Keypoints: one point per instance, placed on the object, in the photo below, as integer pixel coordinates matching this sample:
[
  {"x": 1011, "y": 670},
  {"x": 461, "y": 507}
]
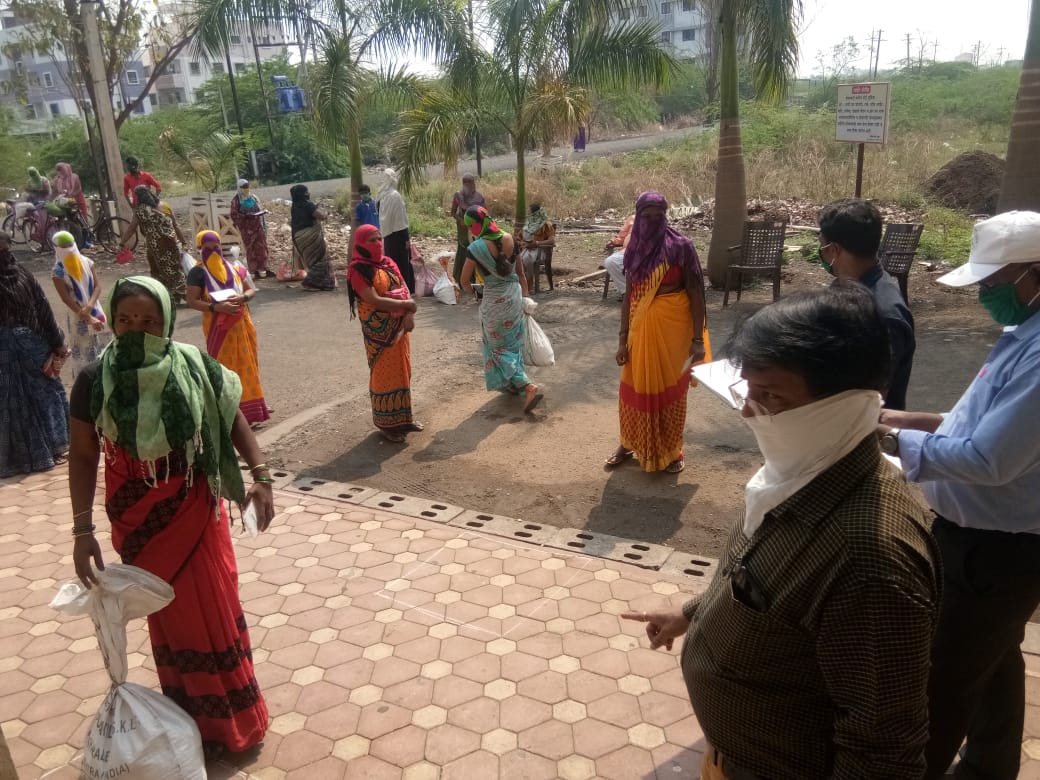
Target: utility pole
[
  {"x": 877, "y": 52},
  {"x": 935, "y": 52},
  {"x": 103, "y": 99},
  {"x": 1000, "y": 56},
  {"x": 908, "y": 61},
  {"x": 870, "y": 57}
]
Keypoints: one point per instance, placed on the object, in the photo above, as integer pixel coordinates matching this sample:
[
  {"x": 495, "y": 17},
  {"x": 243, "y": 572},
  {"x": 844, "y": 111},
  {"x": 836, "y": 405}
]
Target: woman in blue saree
[{"x": 495, "y": 254}]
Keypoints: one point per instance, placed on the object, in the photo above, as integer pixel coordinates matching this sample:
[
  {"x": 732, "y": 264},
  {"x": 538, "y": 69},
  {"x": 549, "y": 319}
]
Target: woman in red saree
[
  {"x": 663, "y": 332},
  {"x": 380, "y": 299},
  {"x": 166, "y": 417},
  {"x": 220, "y": 289}
]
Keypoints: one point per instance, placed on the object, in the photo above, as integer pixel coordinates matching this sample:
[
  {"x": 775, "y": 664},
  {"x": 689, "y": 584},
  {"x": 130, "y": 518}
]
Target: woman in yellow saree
[{"x": 663, "y": 332}]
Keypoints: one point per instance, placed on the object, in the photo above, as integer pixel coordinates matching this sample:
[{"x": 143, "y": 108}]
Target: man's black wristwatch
[{"x": 890, "y": 442}]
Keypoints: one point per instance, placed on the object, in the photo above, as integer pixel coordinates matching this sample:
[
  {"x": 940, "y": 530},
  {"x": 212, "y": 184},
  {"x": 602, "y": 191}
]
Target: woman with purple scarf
[
  {"x": 663, "y": 332},
  {"x": 220, "y": 289}
]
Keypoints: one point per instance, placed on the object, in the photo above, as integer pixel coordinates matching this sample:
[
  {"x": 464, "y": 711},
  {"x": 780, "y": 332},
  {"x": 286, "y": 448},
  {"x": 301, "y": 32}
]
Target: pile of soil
[{"x": 969, "y": 182}]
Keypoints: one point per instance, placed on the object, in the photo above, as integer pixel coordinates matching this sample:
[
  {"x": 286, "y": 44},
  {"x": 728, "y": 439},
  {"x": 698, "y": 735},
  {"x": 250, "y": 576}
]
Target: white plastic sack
[
  {"x": 530, "y": 305},
  {"x": 187, "y": 262},
  {"x": 538, "y": 350},
  {"x": 425, "y": 279},
  {"x": 445, "y": 291},
  {"x": 138, "y": 734}
]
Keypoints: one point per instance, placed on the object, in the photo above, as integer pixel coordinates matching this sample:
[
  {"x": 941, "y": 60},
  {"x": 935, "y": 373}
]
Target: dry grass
[{"x": 788, "y": 154}]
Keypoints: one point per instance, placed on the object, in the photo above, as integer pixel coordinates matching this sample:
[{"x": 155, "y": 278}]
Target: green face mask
[
  {"x": 826, "y": 266},
  {"x": 366, "y": 196},
  {"x": 1001, "y": 301}
]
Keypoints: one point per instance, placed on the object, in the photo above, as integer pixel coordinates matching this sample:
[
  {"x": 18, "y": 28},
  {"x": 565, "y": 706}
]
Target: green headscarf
[
  {"x": 154, "y": 395},
  {"x": 478, "y": 215},
  {"x": 35, "y": 179}
]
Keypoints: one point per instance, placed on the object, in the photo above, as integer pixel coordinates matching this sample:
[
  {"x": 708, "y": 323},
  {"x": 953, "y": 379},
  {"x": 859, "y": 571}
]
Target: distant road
[{"x": 501, "y": 162}]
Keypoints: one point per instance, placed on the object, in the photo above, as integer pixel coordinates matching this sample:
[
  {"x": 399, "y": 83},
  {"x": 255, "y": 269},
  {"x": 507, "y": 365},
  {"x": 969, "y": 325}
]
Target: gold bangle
[{"x": 258, "y": 467}]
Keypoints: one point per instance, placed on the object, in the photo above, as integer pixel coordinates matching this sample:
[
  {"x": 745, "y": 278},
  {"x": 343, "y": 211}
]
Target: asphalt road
[{"x": 501, "y": 162}]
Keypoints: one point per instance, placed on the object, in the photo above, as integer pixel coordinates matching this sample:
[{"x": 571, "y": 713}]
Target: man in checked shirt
[{"x": 807, "y": 657}]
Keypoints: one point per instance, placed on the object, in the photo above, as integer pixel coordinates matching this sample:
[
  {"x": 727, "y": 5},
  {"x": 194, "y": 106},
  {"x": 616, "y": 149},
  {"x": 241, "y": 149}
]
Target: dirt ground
[{"x": 479, "y": 451}]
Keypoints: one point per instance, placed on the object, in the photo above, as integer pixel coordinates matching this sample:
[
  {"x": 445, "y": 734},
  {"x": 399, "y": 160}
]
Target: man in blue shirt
[
  {"x": 850, "y": 236},
  {"x": 366, "y": 212},
  {"x": 979, "y": 466}
]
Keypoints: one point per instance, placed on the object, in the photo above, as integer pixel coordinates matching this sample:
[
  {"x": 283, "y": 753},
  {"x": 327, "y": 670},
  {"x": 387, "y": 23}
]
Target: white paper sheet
[{"x": 719, "y": 376}]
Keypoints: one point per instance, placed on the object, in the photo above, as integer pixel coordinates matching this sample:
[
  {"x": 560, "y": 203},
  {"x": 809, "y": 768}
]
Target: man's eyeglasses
[{"x": 738, "y": 391}]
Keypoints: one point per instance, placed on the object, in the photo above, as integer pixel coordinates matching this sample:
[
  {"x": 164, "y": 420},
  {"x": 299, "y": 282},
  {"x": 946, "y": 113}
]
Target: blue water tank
[{"x": 290, "y": 97}]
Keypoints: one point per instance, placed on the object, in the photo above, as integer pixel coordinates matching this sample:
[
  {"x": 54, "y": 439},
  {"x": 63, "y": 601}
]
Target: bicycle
[
  {"x": 106, "y": 230},
  {"x": 17, "y": 211}
]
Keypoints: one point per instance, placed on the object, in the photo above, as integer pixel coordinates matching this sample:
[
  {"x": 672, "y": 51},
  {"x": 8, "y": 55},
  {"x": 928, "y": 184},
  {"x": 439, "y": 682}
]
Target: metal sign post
[{"x": 863, "y": 111}]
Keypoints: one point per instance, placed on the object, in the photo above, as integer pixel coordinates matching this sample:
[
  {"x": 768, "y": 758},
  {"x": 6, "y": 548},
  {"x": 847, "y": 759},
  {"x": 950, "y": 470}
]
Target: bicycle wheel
[
  {"x": 12, "y": 229},
  {"x": 68, "y": 224},
  {"x": 110, "y": 229},
  {"x": 32, "y": 240}
]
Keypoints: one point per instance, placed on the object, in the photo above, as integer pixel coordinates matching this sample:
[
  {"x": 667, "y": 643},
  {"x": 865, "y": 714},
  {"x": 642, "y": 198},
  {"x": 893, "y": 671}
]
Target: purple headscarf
[{"x": 653, "y": 243}]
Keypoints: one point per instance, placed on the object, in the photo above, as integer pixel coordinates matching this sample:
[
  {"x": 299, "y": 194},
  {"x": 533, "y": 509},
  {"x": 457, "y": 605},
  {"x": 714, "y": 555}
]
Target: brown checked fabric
[{"x": 808, "y": 655}]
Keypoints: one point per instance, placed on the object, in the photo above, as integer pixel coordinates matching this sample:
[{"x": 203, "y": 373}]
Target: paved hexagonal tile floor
[{"x": 387, "y": 647}]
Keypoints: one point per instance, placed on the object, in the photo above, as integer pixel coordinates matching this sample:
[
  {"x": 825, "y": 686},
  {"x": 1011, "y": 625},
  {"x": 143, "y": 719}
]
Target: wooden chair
[
  {"x": 897, "y": 252},
  {"x": 761, "y": 254}
]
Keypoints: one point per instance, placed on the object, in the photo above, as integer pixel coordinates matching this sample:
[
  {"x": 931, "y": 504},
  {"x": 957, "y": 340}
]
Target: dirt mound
[{"x": 969, "y": 182}]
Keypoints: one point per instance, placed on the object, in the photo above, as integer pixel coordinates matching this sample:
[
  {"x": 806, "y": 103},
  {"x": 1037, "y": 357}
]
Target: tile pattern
[{"x": 387, "y": 647}]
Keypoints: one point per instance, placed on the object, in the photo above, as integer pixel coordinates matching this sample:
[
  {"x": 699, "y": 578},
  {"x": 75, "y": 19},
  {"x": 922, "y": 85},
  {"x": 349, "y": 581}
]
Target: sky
[{"x": 957, "y": 25}]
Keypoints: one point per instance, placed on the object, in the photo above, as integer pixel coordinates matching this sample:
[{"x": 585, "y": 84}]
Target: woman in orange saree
[
  {"x": 221, "y": 290},
  {"x": 379, "y": 296},
  {"x": 663, "y": 333}
]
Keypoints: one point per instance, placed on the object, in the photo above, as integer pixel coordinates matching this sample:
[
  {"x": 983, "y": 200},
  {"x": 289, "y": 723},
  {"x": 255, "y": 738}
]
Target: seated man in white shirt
[{"x": 615, "y": 262}]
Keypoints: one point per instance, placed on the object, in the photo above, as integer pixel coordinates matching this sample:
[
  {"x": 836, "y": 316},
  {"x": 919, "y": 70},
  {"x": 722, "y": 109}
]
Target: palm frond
[
  {"x": 435, "y": 29},
  {"x": 770, "y": 28},
  {"x": 216, "y": 20},
  {"x": 336, "y": 90},
  {"x": 622, "y": 56},
  {"x": 433, "y": 131},
  {"x": 209, "y": 165},
  {"x": 555, "y": 111}
]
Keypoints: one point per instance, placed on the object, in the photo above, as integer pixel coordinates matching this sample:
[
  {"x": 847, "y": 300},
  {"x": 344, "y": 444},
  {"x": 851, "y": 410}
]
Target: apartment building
[
  {"x": 38, "y": 88},
  {"x": 683, "y": 23},
  {"x": 184, "y": 74}
]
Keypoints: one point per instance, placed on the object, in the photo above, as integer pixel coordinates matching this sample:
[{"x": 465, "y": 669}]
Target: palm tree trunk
[
  {"x": 521, "y": 185},
  {"x": 730, "y": 190},
  {"x": 1021, "y": 188}
]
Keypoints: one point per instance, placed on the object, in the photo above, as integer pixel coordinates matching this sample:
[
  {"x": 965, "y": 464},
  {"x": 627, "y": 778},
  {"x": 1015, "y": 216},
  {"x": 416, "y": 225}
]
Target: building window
[
  {"x": 139, "y": 108},
  {"x": 666, "y": 8},
  {"x": 217, "y": 67},
  {"x": 132, "y": 78},
  {"x": 178, "y": 95},
  {"x": 236, "y": 39},
  {"x": 641, "y": 12},
  {"x": 267, "y": 40},
  {"x": 689, "y": 35},
  {"x": 666, "y": 36},
  {"x": 172, "y": 68},
  {"x": 625, "y": 14},
  {"x": 19, "y": 67},
  {"x": 194, "y": 68},
  {"x": 240, "y": 67},
  {"x": 687, "y": 5},
  {"x": 55, "y": 109},
  {"x": 48, "y": 79},
  {"x": 153, "y": 100}
]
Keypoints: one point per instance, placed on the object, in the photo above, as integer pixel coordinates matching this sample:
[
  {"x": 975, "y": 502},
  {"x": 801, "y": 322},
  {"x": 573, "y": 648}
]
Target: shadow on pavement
[
  {"x": 638, "y": 505},
  {"x": 500, "y": 409}
]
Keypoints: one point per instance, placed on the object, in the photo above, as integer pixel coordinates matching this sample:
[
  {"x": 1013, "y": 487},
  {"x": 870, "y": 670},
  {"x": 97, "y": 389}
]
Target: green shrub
[{"x": 946, "y": 237}]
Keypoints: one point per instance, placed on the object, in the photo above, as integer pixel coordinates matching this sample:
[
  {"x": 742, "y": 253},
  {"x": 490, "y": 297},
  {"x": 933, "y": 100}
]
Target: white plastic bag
[
  {"x": 530, "y": 305},
  {"x": 250, "y": 522},
  {"x": 187, "y": 262},
  {"x": 138, "y": 734},
  {"x": 538, "y": 350},
  {"x": 445, "y": 291}
]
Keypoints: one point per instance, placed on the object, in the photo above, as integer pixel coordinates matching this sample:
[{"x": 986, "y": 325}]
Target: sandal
[
  {"x": 61, "y": 459},
  {"x": 414, "y": 426},
  {"x": 533, "y": 399},
  {"x": 677, "y": 465},
  {"x": 619, "y": 456},
  {"x": 393, "y": 436}
]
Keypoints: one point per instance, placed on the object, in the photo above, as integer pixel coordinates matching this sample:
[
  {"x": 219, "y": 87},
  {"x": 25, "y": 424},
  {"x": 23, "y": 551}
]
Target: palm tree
[
  {"x": 533, "y": 81},
  {"x": 767, "y": 29},
  {"x": 1021, "y": 188},
  {"x": 212, "y": 164}
]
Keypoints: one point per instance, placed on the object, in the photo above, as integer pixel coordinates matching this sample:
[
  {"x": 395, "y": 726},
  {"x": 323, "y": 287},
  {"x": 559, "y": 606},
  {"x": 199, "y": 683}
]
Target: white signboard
[{"x": 863, "y": 111}]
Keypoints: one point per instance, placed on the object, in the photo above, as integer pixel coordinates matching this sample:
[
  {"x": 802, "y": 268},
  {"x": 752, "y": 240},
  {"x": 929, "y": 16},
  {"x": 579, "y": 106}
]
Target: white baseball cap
[{"x": 1006, "y": 239}]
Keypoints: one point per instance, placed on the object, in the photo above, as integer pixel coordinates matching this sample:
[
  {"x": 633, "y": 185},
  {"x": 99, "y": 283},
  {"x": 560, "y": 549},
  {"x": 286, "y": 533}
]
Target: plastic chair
[
  {"x": 761, "y": 254},
  {"x": 897, "y": 252}
]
